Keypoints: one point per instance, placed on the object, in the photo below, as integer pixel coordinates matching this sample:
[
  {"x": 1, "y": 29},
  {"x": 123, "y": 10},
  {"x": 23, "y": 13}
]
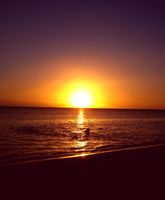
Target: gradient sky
[{"x": 48, "y": 47}]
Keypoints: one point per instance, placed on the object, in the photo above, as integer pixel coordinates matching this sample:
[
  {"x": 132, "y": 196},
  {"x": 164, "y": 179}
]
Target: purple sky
[{"x": 127, "y": 35}]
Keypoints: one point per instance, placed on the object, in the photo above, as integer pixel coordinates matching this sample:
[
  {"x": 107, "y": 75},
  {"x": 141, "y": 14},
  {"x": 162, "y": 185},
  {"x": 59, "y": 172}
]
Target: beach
[
  {"x": 82, "y": 100},
  {"x": 132, "y": 173}
]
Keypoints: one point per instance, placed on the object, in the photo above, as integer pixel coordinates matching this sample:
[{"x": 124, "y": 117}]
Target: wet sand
[{"x": 133, "y": 174}]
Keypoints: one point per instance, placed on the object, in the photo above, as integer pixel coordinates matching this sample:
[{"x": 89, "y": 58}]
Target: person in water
[{"x": 87, "y": 132}]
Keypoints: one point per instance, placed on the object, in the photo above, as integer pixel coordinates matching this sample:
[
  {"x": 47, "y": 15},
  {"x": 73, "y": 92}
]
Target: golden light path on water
[{"x": 82, "y": 141}]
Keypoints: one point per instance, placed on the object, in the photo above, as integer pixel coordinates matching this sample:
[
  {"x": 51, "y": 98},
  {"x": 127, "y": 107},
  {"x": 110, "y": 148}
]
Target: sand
[{"x": 129, "y": 174}]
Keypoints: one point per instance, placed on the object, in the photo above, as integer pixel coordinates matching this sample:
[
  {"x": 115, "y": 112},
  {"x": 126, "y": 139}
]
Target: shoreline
[
  {"x": 140, "y": 171},
  {"x": 85, "y": 155}
]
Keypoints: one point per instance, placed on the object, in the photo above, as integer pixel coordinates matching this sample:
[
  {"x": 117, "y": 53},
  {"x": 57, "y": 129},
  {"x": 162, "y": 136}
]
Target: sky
[{"x": 114, "y": 49}]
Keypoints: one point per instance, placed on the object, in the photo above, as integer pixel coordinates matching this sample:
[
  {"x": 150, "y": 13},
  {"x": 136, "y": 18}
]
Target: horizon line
[{"x": 60, "y": 107}]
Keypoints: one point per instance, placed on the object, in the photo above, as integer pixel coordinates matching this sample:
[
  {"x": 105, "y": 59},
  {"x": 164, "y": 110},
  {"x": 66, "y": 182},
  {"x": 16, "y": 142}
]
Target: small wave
[
  {"x": 34, "y": 130},
  {"x": 42, "y": 131},
  {"x": 27, "y": 130}
]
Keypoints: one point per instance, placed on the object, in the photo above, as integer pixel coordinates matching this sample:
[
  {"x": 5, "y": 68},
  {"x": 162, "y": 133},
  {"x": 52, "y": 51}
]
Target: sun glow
[
  {"x": 81, "y": 99},
  {"x": 80, "y": 94}
]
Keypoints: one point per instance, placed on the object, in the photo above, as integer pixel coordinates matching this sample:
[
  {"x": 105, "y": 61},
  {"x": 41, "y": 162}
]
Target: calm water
[{"x": 30, "y": 134}]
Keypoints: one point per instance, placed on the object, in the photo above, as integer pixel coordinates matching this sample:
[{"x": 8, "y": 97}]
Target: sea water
[{"x": 34, "y": 134}]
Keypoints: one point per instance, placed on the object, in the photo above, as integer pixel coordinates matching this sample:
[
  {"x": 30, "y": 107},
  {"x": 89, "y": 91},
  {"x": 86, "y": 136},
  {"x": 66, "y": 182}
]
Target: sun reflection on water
[
  {"x": 80, "y": 118},
  {"x": 81, "y": 142},
  {"x": 83, "y": 154}
]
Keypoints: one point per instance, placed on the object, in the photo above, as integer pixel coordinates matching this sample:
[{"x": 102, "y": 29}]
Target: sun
[
  {"x": 81, "y": 99},
  {"x": 80, "y": 94}
]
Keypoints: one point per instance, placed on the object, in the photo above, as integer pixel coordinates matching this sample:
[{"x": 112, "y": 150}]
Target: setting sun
[
  {"x": 81, "y": 99},
  {"x": 80, "y": 94}
]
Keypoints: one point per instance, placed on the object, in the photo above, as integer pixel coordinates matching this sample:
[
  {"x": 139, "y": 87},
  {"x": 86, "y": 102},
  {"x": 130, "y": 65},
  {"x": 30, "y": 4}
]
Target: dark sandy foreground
[{"x": 129, "y": 174}]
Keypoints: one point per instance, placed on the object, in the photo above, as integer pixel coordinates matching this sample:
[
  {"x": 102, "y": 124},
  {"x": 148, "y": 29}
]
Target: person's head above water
[{"x": 87, "y": 131}]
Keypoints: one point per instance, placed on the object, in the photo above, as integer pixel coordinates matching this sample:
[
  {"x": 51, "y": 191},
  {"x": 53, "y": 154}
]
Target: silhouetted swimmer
[{"x": 87, "y": 132}]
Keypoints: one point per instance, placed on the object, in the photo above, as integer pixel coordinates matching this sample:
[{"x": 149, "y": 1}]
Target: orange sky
[
  {"x": 113, "y": 50},
  {"x": 52, "y": 82}
]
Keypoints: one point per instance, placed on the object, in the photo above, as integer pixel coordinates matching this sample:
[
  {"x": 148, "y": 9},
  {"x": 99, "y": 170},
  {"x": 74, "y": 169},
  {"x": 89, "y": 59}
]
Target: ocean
[{"x": 36, "y": 134}]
